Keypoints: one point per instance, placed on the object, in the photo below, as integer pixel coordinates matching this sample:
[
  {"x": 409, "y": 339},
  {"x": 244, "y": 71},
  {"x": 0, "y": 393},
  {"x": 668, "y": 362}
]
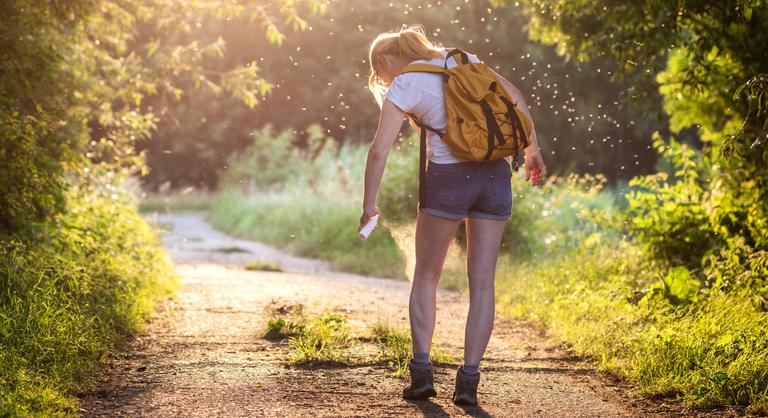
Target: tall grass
[
  {"x": 316, "y": 338},
  {"x": 323, "y": 228},
  {"x": 395, "y": 347},
  {"x": 312, "y": 210},
  {"x": 69, "y": 292},
  {"x": 188, "y": 199},
  {"x": 598, "y": 299}
]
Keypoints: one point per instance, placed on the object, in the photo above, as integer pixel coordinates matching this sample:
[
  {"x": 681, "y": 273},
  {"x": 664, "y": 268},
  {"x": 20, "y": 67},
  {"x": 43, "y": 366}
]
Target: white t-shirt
[{"x": 421, "y": 94}]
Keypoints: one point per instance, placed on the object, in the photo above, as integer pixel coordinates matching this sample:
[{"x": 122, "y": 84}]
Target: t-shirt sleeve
[
  {"x": 473, "y": 58},
  {"x": 402, "y": 95}
]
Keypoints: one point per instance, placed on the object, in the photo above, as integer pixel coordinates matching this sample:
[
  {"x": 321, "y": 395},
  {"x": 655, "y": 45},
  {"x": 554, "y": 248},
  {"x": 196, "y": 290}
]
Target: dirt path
[{"x": 204, "y": 355}]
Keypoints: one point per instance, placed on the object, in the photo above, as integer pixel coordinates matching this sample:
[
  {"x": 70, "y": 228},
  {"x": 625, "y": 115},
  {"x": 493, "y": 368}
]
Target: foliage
[
  {"x": 28, "y": 167},
  {"x": 37, "y": 130},
  {"x": 319, "y": 227},
  {"x": 707, "y": 209},
  {"x": 261, "y": 266},
  {"x": 187, "y": 199},
  {"x": 309, "y": 206},
  {"x": 319, "y": 78},
  {"x": 683, "y": 218},
  {"x": 80, "y": 268},
  {"x": 395, "y": 347},
  {"x": 285, "y": 321},
  {"x": 75, "y": 78},
  {"x": 399, "y": 192},
  {"x": 560, "y": 214},
  {"x": 272, "y": 159},
  {"x": 69, "y": 294},
  {"x": 322, "y": 338},
  {"x": 656, "y": 329},
  {"x": 639, "y": 37},
  {"x": 668, "y": 211}
]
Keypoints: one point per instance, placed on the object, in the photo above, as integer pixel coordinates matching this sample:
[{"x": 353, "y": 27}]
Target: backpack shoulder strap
[
  {"x": 422, "y": 165},
  {"x": 422, "y": 68},
  {"x": 423, "y": 125},
  {"x": 456, "y": 51}
]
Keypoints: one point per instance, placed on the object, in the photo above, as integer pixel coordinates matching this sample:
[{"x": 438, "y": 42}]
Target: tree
[
  {"x": 709, "y": 63},
  {"x": 76, "y": 75},
  {"x": 320, "y": 75}
]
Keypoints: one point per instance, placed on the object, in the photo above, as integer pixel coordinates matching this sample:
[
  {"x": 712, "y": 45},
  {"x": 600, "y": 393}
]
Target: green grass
[
  {"x": 70, "y": 291},
  {"x": 321, "y": 338},
  {"x": 327, "y": 337},
  {"x": 166, "y": 202},
  {"x": 284, "y": 321},
  {"x": 262, "y": 266},
  {"x": 230, "y": 250},
  {"x": 714, "y": 352},
  {"x": 395, "y": 347},
  {"x": 321, "y": 227}
]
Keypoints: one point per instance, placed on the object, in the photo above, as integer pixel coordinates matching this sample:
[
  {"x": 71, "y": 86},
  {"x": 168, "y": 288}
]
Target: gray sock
[
  {"x": 471, "y": 370},
  {"x": 421, "y": 358}
]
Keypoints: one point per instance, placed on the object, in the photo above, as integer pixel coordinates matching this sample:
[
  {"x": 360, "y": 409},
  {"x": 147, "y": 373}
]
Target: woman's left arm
[
  {"x": 534, "y": 164},
  {"x": 390, "y": 122}
]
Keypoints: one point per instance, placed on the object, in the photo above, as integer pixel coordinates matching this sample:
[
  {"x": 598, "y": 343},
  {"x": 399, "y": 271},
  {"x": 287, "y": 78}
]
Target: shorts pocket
[
  {"x": 447, "y": 191},
  {"x": 502, "y": 190}
]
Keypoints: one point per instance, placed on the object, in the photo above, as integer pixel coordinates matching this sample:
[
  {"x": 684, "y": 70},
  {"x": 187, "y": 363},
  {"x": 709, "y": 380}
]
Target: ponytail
[
  {"x": 412, "y": 43},
  {"x": 409, "y": 43}
]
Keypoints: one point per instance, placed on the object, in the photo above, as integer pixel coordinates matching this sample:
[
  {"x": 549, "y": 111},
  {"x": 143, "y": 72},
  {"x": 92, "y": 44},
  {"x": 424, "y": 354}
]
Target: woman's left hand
[{"x": 534, "y": 165}]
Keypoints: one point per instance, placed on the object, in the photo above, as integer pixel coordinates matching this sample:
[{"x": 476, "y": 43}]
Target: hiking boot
[
  {"x": 465, "y": 392},
  {"x": 422, "y": 382}
]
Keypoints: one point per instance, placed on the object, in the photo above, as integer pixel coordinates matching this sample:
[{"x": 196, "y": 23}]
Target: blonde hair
[{"x": 409, "y": 43}]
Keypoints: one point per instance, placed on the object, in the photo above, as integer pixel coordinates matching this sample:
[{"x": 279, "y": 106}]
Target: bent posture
[{"x": 455, "y": 189}]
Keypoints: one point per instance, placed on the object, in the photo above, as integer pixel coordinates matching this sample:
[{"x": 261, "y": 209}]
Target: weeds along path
[{"x": 205, "y": 354}]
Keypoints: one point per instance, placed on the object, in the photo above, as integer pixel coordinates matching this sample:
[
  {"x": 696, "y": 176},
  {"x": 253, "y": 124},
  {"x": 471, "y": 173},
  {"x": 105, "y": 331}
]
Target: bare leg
[
  {"x": 483, "y": 241},
  {"x": 433, "y": 237}
]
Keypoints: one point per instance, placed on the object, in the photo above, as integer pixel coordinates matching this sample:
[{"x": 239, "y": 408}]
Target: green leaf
[
  {"x": 274, "y": 35},
  {"x": 679, "y": 285}
]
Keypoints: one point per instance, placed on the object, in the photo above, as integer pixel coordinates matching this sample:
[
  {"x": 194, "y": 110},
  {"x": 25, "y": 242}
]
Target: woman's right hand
[{"x": 368, "y": 213}]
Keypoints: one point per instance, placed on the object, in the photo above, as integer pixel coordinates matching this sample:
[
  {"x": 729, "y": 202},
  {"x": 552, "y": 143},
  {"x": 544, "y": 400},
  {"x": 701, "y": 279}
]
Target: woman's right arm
[{"x": 390, "y": 122}]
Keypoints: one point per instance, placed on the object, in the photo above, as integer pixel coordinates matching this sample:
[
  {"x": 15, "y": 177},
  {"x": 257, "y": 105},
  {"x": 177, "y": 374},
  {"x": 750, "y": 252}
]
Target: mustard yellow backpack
[{"x": 483, "y": 122}]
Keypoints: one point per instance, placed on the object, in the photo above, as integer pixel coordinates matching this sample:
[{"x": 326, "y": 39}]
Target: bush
[
  {"x": 600, "y": 299},
  {"x": 69, "y": 292},
  {"x": 315, "y": 211},
  {"x": 322, "y": 228},
  {"x": 398, "y": 197},
  {"x": 559, "y": 215},
  {"x": 32, "y": 186},
  {"x": 683, "y": 217},
  {"x": 667, "y": 211}
]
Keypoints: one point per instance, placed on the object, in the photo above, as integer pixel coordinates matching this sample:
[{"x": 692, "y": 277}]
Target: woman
[{"x": 456, "y": 189}]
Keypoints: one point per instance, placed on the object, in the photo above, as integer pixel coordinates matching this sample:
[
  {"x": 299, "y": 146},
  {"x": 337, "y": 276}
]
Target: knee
[
  {"x": 481, "y": 283},
  {"x": 426, "y": 275}
]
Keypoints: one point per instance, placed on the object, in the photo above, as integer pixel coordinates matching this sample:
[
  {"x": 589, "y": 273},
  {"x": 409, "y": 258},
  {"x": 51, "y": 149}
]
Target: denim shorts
[{"x": 479, "y": 190}]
